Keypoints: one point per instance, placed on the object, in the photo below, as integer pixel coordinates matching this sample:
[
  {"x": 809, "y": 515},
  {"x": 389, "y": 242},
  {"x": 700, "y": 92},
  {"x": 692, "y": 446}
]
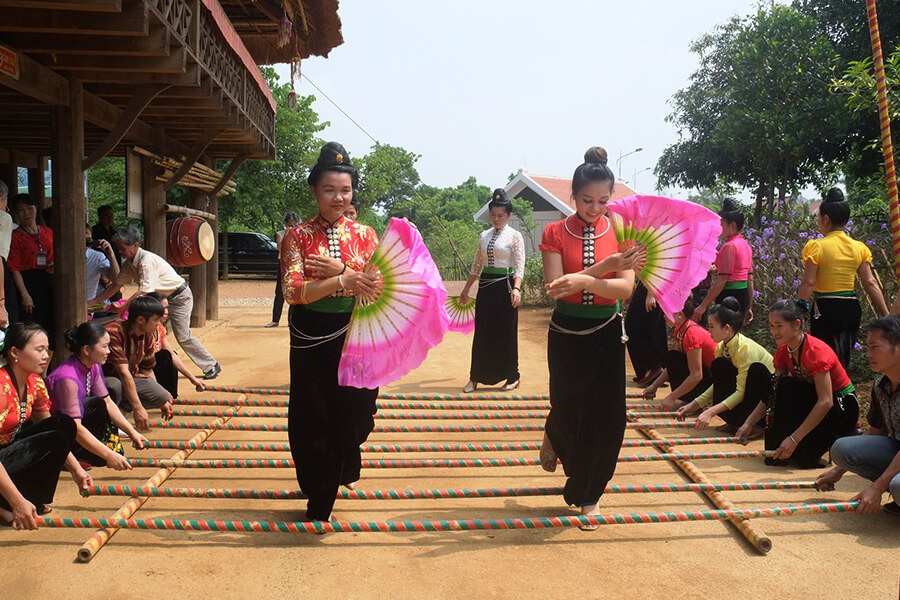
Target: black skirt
[
  {"x": 756, "y": 389},
  {"x": 96, "y": 420},
  {"x": 166, "y": 373},
  {"x": 741, "y": 295},
  {"x": 39, "y": 284},
  {"x": 646, "y": 331},
  {"x": 586, "y": 424},
  {"x": 34, "y": 459},
  {"x": 794, "y": 400},
  {"x": 326, "y": 422},
  {"x": 837, "y": 324},
  {"x": 677, "y": 368},
  {"x": 495, "y": 344}
]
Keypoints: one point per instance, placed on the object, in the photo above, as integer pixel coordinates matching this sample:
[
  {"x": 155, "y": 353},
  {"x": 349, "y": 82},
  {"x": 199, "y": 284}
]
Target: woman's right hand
[
  {"x": 742, "y": 433},
  {"x": 568, "y": 285},
  {"x": 631, "y": 258},
  {"x": 118, "y": 462},
  {"x": 464, "y": 297},
  {"x": 27, "y": 303},
  {"x": 697, "y": 315},
  {"x": 682, "y": 412},
  {"x": 25, "y": 515},
  {"x": 362, "y": 284},
  {"x": 668, "y": 403},
  {"x": 141, "y": 419}
]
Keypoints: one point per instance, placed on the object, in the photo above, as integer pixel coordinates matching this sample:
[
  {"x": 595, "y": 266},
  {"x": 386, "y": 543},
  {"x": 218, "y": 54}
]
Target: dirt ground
[{"x": 817, "y": 556}]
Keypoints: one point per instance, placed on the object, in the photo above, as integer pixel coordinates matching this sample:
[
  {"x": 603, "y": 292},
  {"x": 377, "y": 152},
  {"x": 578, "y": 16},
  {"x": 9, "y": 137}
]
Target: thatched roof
[{"x": 315, "y": 27}]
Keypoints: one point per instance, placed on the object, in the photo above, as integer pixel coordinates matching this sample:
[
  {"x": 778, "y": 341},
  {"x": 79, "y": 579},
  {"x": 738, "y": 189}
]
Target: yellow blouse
[{"x": 838, "y": 257}]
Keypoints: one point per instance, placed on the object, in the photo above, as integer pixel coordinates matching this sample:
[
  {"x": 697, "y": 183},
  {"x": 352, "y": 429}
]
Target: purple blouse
[{"x": 68, "y": 387}]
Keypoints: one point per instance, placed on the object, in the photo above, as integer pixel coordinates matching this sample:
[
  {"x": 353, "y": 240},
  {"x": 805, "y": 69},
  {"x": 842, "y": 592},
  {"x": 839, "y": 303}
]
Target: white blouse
[{"x": 500, "y": 248}]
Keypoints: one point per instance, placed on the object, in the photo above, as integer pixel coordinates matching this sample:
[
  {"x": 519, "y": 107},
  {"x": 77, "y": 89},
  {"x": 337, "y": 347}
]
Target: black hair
[
  {"x": 23, "y": 198},
  {"x": 105, "y": 207},
  {"x": 156, "y": 296},
  {"x": 688, "y": 308},
  {"x": 499, "y": 200},
  {"x": 333, "y": 157},
  {"x": 592, "y": 170},
  {"x": 19, "y": 334},
  {"x": 728, "y": 312},
  {"x": 889, "y": 327},
  {"x": 86, "y": 334},
  {"x": 144, "y": 306},
  {"x": 835, "y": 207},
  {"x": 791, "y": 310},
  {"x": 731, "y": 212},
  {"x": 354, "y": 201}
]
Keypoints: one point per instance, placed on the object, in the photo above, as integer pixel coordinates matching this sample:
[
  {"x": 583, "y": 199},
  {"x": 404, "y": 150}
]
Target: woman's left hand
[
  {"x": 785, "y": 449},
  {"x": 568, "y": 285},
  {"x": 324, "y": 266},
  {"x": 703, "y": 420},
  {"x": 139, "y": 441},
  {"x": 650, "y": 303},
  {"x": 82, "y": 479},
  {"x": 515, "y": 298}
]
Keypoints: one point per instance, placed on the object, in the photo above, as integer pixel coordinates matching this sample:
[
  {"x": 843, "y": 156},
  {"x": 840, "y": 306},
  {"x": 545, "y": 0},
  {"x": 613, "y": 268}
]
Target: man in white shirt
[
  {"x": 10, "y": 302},
  {"x": 154, "y": 274}
]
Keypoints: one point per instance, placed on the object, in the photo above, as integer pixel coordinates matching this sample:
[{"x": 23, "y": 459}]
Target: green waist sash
[
  {"x": 847, "y": 390},
  {"x": 736, "y": 285},
  {"x": 847, "y": 294},
  {"x": 497, "y": 271},
  {"x": 587, "y": 311},
  {"x": 332, "y": 305}
]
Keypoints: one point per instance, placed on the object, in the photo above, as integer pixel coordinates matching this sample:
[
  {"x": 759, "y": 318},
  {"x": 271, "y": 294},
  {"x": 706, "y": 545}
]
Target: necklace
[
  {"x": 585, "y": 237},
  {"x": 792, "y": 350}
]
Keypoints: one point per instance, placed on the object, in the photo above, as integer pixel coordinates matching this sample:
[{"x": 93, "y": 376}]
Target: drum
[{"x": 189, "y": 242}]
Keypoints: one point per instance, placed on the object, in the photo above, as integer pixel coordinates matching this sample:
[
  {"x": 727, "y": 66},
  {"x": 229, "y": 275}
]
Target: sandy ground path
[{"x": 817, "y": 556}]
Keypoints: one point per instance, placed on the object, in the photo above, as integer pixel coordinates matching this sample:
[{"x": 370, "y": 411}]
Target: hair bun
[
  {"x": 596, "y": 155},
  {"x": 729, "y": 205},
  {"x": 499, "y": 195},
  {"x": 332, "y": 155},
  {"x": 731, "y": 303},
  {"x": 834, "y": 195}
]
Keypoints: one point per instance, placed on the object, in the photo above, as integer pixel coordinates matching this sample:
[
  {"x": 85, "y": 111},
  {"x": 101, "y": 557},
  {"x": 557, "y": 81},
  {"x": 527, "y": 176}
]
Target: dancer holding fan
[
  {"x": 586, "y": 350},
  {"x": 322, "y": 267},
  {"x": 498, "y": 268}
]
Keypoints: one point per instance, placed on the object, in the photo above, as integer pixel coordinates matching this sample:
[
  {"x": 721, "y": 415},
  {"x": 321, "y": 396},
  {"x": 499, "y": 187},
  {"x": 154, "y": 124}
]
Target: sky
[{"x": 487, "y": 88}]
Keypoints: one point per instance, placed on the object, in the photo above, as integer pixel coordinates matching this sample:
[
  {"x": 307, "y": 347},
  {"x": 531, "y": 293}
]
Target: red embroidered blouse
[
  {"x": 24, "y": 248},
  {"x": 37, "y": 399},
  {"x": 579, "y": 254},
  {"x": 815, "y": 357},
  {"x": 348, "y": 241},
  {"x": 691, "y": 336}
]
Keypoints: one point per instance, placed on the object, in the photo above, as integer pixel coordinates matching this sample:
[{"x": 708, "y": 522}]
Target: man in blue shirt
[{"x": 99, "y": 264}]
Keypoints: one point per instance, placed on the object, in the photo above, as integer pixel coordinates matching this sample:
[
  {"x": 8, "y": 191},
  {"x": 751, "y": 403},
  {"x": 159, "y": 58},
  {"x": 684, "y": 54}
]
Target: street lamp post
[
  {"x": 621, "y": 156},
  {"x": 634, "y": 176}
]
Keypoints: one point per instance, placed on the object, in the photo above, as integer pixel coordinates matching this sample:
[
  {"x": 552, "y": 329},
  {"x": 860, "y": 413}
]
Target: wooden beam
[
  {"x": 235, "y": 164},
  {"x": 23, "y": 159},
  {"x": 197, "y": 275},
  {"x": 199, "y": 148},
  {"x": 111, "y": 6},
  {"x": 157, "y": 43},
  {"x": 175, "y": 62},
  {"x": 143, "y": 95},
  {"x": 133, "y": 20},
  {"x": 9, "y": 172},
  {"x": 70, "y": 289},
  {"x": 191, "y": 76}
]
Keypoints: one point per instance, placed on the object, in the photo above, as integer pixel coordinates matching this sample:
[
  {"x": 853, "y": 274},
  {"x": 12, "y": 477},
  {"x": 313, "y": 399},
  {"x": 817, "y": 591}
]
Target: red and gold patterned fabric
[
  {"x": 350, "y": 242},
  {"x": 138, "y": 352},
  {"x": 38, "y": 400},
  {"x": 581, "y": 245}
]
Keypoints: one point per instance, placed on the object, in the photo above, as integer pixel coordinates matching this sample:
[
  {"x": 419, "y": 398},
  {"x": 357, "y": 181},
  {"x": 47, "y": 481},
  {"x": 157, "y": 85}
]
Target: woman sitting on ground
[
  {"x": 78, "y": 389},
  {"x": 34, "y": 446},
  {"x": 168, "y": 363},
  {"x": 687, "y": 367},
  {"x": 736, "y": 388},
  {"x": 814, "y": 400}
]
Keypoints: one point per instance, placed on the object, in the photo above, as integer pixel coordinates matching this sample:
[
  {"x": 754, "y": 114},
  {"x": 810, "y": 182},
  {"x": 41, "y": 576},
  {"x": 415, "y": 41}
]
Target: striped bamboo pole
[
  {"x": 761, "y": 543},
  {"x": 884, "y": 116},
  {"x": 383, "y": 448},
  {"x": 442, "y": 494},
  {"x": 393, "y": 416},
  {"x": 90, "y": 548},
  {"x": 395, "y": 405},
  {"x": 398, "y": 428},
  {"x": 418, "y": 463},
  {"x": 454, "y": 524}
]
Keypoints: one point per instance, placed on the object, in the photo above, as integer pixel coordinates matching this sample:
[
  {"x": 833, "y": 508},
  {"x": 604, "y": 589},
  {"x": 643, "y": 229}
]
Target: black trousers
[
  {"x": 39, "y": 284},
  {"x": 837, "y": 325},
  {"x": 741, "y": 295},
  {"x": 12, "y": 296},
  {"x": 34, "y": 459},
  {"x": 495, "y": 343},
  {"x": 677, "y": 368},
  {"x": 794, "y": 400},
  {"x": 756, "y": 388},
  {"x": 586, "y": 424},
  {"x": 278, "y": 303},
  {"x": 647, "y": 345},
  {"x": 166, "y": 373},
  {"x": 96, "y": 421},
  {"x": 326, "y": 422}
]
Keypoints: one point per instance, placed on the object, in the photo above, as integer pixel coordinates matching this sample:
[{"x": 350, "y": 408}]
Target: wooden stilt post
[
  {"x": 212, "y": 267},
  {"x": 70, "y": 289},
  {"x": 154, "y": 197},
  {"x": 37, "y": 188},
  {"x": 198, "y": 274}
]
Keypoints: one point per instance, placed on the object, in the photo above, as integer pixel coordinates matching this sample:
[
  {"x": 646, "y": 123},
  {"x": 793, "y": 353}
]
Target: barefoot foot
[
  {"x": 591, "y": 509},
  {"x": 548, "y": 457}
]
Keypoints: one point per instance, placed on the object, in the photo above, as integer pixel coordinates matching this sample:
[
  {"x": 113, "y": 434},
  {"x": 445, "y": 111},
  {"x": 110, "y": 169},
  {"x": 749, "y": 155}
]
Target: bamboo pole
[
  {"x": 393, "y": 416},
  {"x": 455, "y": 524},
  {"x": 884, "y": 117},
  {"x": 437, "y": 494},
  {"x": 90, "y": 548},
  {"x": 399, "y": 428},
  {"x": 396, "y": 405},
  {"x": 191, "y": 212}
]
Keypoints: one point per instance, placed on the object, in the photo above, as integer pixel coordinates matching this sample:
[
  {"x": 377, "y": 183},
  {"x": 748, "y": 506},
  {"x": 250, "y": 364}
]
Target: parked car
[{"x": 248, "y": 252}]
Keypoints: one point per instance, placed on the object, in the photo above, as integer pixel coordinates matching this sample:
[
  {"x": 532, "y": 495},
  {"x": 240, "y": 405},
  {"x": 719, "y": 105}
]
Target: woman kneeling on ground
[
  {"x": 737, "y": 388},
  {"x": 814, "y": 401},
  {"x": 78, "y": 389},
  {"x": 687, "y": 368},
  {"x": 33, "y": 445}
]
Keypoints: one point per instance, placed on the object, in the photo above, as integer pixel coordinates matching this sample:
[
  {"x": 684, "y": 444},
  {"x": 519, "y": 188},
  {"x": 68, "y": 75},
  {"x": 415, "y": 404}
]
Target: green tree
[
  {"x": 754, "y": 111},
  {"x": 388, "y": 178}
]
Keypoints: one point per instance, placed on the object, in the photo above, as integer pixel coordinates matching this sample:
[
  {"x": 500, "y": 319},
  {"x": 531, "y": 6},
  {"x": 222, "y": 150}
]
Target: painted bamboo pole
[
  {"x": 394, "y": 405},
  {"x": 435, "y": 494},
  {"x": 398, "y": 428},
  {"x": 418, "y": 463},
  {"x": 884, "y": 116},
  {"x": 90, "y": 548},
  {"x": 454, "y": 524},
  {"x": 385, "y": 448},
  {"x": 394, "y": 416},
  {"x": 761, "y": 543}
]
